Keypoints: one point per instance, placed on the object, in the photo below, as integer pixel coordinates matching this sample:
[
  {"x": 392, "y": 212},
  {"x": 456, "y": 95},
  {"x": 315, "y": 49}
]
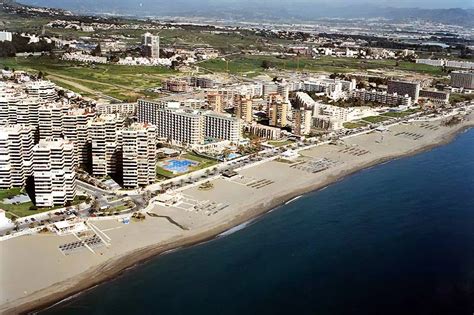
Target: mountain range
[{"x": 251, "y": 10}]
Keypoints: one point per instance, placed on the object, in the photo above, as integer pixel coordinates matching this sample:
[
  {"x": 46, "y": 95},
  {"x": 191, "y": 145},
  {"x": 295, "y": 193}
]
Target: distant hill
[{"x": 258, "y": 10}]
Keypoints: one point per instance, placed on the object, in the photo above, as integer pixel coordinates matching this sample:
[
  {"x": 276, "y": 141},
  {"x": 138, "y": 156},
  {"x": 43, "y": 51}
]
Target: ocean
[{"x": 397, "y": 238}]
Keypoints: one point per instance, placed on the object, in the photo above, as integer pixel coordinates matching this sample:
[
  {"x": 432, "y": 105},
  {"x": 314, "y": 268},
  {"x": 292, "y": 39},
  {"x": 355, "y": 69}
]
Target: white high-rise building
[
  {"x": 106, "y": 151},
  {"x": 42, "y": 89},
  {"x": 138, "y": 143},
  {"x": 76, "y": 129},
  {"x": 16, "y": 155},
  {"x": 302, "y": 120},
  {"x": 54, "y": 172},
  {"x": 50, "y": 120}
]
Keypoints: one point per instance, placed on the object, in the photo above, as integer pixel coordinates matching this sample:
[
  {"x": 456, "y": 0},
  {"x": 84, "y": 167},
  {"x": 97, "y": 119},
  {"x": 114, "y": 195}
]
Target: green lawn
[
  {"x": 23, "y": 209},
  {"x": 280, "y": 143},
  {"x": 122, "y": 82},
  {"x": 353, "y": 125},
  {"x": 247, "y": 63},
  {"x": 400, "y": 114},
  {"x": 375, "y": 119}
]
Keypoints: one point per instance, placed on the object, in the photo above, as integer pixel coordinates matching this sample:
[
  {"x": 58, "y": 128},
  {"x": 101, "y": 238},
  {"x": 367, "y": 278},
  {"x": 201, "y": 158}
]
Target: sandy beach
[{"x": 34, "y": 273}]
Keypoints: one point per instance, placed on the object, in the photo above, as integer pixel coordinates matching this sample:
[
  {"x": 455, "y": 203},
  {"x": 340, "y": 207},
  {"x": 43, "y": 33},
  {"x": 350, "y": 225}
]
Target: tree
[
  {"x": 266, "y": 64},
  {"x": 95, "y": 206},
  {"x": 97, "y": 51}
]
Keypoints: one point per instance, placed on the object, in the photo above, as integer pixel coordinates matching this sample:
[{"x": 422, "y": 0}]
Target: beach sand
[{"x": 35, "y": 274}]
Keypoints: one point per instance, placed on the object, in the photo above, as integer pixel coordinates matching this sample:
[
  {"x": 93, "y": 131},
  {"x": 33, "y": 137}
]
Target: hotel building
[
  {"x": 411, "y": 89},
  {"x": 222, "y": 127},
  {"x": 462, "y": 79}
]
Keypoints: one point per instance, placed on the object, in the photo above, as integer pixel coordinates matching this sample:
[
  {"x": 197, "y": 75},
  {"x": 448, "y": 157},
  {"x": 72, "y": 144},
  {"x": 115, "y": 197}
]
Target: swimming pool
[{"x": 177, "y": 166}]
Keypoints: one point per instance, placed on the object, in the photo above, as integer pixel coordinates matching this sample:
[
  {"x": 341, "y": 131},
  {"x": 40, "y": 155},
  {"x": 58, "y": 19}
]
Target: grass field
[
  {"x": 280, "y": 143},
  {"x": 400, "y": 114},
  {"x": 353, "y": 125},
  {"x": 375, "y": 119},
  {"x": 23, "y": 209},
  {"x": 252, "y": 64},
  {"x": 121, "y": 82}
]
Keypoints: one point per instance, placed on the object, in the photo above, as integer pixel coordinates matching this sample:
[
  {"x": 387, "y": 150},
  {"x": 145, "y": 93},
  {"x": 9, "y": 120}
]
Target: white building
[
  {"x": 139, "y": 155},
  {"x": 5, "y": 36},
  {"x": 222, "y": 127},
  {"x": 125, "y": 109},
  {"x": 105, "y": 142},
  {"x": 45, "y": 90},
  {"x": 54, "y": 172},
  {"x": 382, "y": 97},
  {"x": 16, "y": 155},
  {"x": 50, "y": 120},
  {"x": 76, "y": 129}
]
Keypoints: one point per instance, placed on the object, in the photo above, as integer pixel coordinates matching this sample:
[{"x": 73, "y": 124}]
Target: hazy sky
[{"x": 236, "y": 3}]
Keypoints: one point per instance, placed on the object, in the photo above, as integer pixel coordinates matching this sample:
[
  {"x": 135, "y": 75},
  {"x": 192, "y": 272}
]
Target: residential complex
[
  {"x": 105, "y": 144},
  {"x": 125, "y": 109},
  {"x": 138, "y": 145},
  {"x": 76, "y": 124},
  {"x": 54, "y": 172},
  {"x": 382, "y": 97},
  {"x": 16, "y": 155}
]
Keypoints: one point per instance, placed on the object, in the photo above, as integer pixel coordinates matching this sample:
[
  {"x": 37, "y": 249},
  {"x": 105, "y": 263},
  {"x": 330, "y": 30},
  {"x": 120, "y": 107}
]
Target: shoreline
[{"x": 117, "y": 266}]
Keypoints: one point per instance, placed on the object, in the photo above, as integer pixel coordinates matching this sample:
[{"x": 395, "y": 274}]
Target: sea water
[{"x": 397, "y": 238}]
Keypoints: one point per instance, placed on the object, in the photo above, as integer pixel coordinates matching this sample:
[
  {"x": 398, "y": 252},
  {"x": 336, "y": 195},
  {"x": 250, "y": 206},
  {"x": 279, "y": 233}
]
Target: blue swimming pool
[{"x": 177, "y": 166}]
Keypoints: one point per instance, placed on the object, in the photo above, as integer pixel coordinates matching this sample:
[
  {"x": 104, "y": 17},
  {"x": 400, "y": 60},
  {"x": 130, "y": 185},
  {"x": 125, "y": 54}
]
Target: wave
[
  {"x": 235, "y": 229},
  {"x": 291, "y": 200}
]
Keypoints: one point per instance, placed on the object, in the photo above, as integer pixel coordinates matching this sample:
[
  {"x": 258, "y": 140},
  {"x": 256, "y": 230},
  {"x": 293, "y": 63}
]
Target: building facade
[
  {"x": 54, "y": 172},
  {"x": 16, "y": 155}
]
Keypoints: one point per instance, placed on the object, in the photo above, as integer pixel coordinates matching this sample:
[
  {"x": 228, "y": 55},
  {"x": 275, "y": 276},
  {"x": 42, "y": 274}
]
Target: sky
[{"x": 428, "y": 4}]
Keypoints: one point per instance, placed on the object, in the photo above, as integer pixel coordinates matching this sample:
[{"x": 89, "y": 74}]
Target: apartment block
[
  {"x": 438, "y": 97},
  {"x": 302, "y": 121},
  {"x": 125, "y": 109},
  {"x": 76, "y": 129},
  {"x": 105, "y": 143},
  {"x": 54, "y": 172},
  {"x": 215, "y": 102},
  {"x": 243, "y": 108},
  {"x": 50, "y": 120},
  {"x": 16, "y": 155},
  {"x": 382, "y": 97},
  {"x": 138, "y": 143}
]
